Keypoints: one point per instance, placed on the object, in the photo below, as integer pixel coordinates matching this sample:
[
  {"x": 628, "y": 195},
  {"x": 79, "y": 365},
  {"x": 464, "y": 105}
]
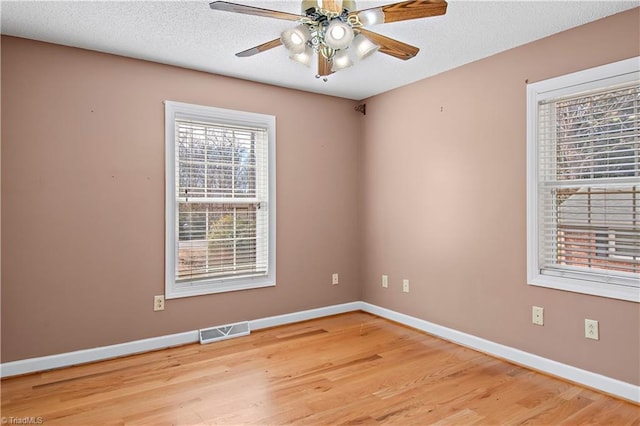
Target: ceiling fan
[{"x": 330, "y": 29}]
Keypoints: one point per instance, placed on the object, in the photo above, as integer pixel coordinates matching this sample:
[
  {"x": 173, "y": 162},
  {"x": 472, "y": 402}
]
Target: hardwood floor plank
[{"x": 352, "y": 368}]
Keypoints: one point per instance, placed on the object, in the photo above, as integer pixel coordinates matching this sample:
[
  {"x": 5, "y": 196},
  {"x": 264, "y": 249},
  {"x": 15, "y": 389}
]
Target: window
[
  {"x": 220, "y": 200},
  {"x": 583, "y": 181}
]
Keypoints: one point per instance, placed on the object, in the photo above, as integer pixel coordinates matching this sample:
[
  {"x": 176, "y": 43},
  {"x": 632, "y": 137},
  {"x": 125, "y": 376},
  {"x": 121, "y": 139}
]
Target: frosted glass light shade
[
  {"x": 304, "y": 58},
  {"x": 371, "y": 17},
  {"x": 341, "y": 61},
  {"x": 338, "y": 35},
  {"x": 363, "y": 46},
  {"x": 295, "y": 39}
]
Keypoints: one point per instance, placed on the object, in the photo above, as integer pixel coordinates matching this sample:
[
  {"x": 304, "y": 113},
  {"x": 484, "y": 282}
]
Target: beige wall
[
  {"x": 83, "y": 199},
  {"x": 445, "y": 204},
  {"x": 429, "y": 186}
]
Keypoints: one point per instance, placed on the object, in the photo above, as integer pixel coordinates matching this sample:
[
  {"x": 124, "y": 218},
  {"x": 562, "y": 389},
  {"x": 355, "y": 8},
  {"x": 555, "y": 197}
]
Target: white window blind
[
  {"x": 221, "y": 215},
  {"x": 222, "y": 197},
  {"x": 587, "y": 189},
  {"x": 589, "y": 168}
]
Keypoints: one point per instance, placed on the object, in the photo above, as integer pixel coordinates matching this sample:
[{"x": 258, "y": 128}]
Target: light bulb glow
[
  {"x": 337, "y": 32},
  {"x": 294, "y": 39},
  {"x": 338, "y": 35}
]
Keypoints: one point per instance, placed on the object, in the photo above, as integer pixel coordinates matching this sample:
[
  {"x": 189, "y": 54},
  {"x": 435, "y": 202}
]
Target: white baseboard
[
  {"x": 67, "y": 359},
  {"x": 587, "y": 378},
  {"x": 305, "y": 315},
  {"x": 593, "y": 380}
]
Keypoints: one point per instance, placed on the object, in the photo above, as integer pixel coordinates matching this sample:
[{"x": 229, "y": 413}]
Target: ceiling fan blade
[
  {"x": 260, "y": 48},
  {"x": 390, "y": 46},
  {"x": 324, "y": 66},
  {"x": 406, "y": 10},
  {"x": 250, "y": 10}
]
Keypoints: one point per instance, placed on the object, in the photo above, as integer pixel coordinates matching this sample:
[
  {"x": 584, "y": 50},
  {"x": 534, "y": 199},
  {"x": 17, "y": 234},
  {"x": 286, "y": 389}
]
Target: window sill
[
  {"x": 187, "y": 290},
  {"x": 593, "y": 288}
]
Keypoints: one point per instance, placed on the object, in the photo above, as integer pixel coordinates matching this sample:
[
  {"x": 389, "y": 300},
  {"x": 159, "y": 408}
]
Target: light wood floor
[{"x": 348, "y": 369}]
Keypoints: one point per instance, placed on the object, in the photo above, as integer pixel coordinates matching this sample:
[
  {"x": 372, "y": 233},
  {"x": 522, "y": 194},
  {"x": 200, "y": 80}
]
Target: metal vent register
[{"x": 222, "y": 332}]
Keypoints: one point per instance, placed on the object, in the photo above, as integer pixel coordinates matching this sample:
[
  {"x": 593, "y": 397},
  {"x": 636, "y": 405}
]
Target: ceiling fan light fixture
[
  {"x": 341, "y": 60},
  {"x": 371, "y": 17},
  {"x": 364, "y": 47},
  {"x": 328, "y": 29},
  {"x": 338, "y": 35},
  {"x": 304, "y": 57},
  {"x": 295, "y": 39}
]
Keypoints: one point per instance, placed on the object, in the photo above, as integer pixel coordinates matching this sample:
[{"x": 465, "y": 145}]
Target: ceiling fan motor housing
[{"x": 311, "y": 4}]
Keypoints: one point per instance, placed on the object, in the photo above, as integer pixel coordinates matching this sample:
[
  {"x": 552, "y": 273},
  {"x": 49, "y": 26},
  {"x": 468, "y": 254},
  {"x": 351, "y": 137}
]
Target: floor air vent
[{"x": 221, "y": 332}]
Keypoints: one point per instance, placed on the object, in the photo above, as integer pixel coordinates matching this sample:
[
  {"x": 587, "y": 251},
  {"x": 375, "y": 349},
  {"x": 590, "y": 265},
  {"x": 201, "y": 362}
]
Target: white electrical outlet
[
  {"x": 591, "y": 329},
  {"x": 334, "y": 279},
  {"x": 158, "y": 303},
  {"x": 405, "y": 286},
  {"x": 385, "y": 281},
  {"x": 537, "y": 315}
]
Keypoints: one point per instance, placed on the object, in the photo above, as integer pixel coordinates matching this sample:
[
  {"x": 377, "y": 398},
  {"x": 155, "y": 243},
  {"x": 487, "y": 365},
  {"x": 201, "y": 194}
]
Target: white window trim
[
  {"x": 175, "y": 110},
  {"x": 617, "y": 72}
]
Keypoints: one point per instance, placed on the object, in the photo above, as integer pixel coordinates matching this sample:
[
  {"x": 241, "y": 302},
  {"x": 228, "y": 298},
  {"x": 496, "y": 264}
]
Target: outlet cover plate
[
  {"x": 537, "y": 315},
  {"x": 591, "y": 329},
  {"x": 158, "y": 303}
]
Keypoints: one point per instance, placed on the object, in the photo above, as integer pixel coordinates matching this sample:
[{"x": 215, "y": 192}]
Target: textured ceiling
[{"x": 189, "y": 34}]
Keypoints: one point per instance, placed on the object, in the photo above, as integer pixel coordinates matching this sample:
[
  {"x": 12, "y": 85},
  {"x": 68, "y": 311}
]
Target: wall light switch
[
  {"x": 405, "y": 286},
  {"x": 385, "y": 281},
  {"x": 334, "y": 279}
]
